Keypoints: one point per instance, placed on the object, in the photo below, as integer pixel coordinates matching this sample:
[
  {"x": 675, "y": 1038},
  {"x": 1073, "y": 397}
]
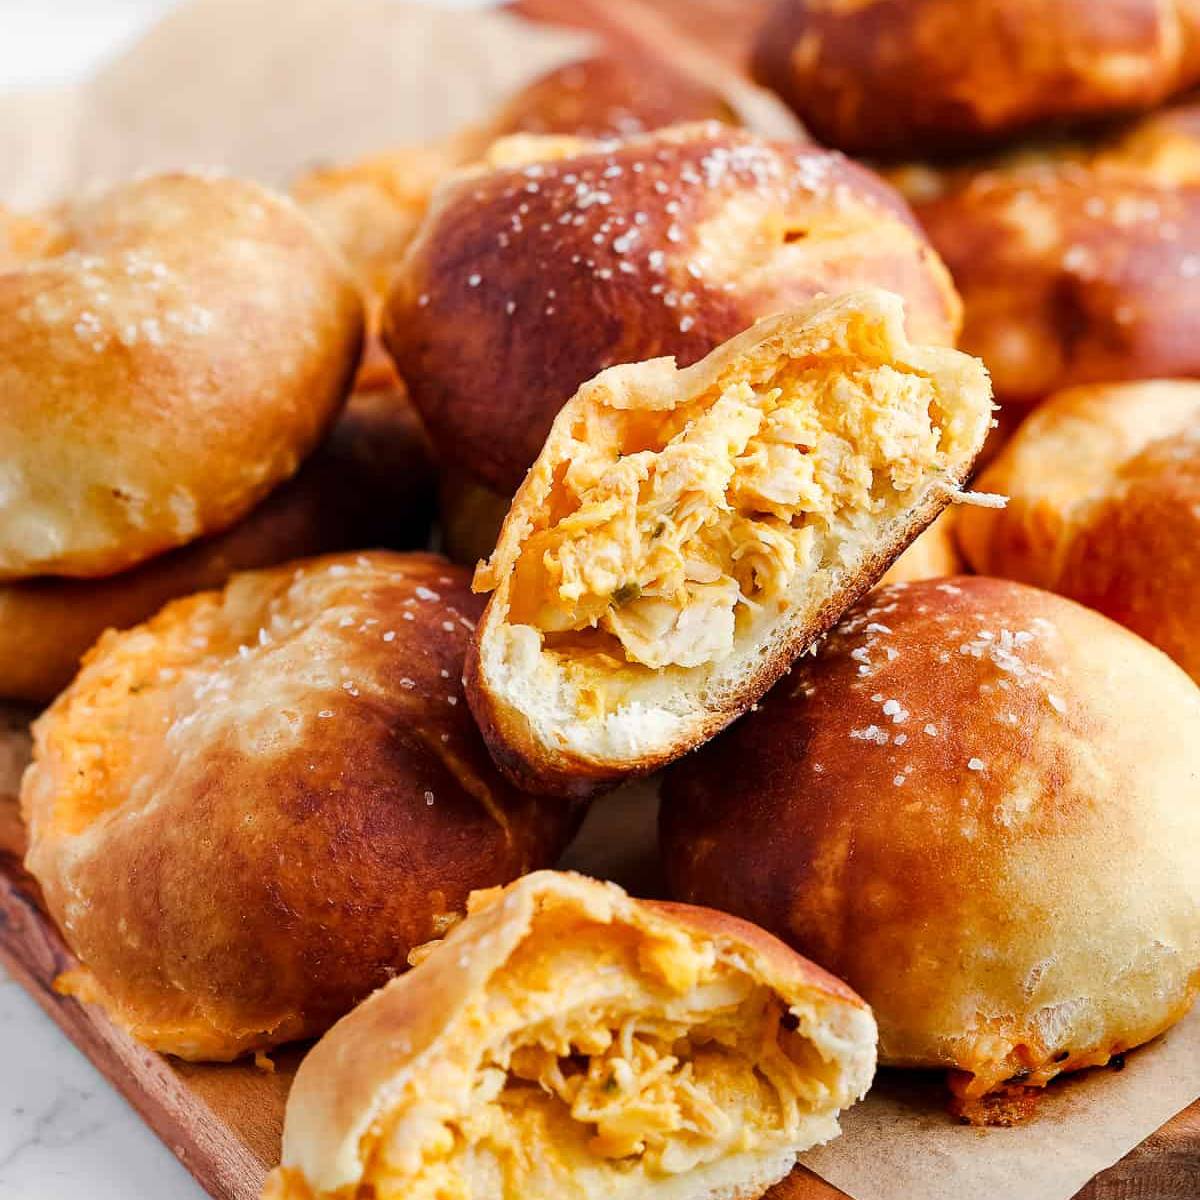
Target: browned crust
[
  {"x": 1122, "y": 538},
  {"x": 369, "y": 484},
  {"x": 712, "y": 924},
  {"x": 923, "y": 78},
  {"x": 271, "y": 884},
  {"x": 912, "y": 870},
  {"x": 536, "y": 768},
  {"x": 514, "y": 293},
  {"x": 616, "y": 93},
  {"x": 1077, "y": 265},
  {"x": 933, "y": 554},
  {"x": 218, "y": 333}
]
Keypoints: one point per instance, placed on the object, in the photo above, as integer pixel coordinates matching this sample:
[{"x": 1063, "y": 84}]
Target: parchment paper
[{"x": 266, "y": 87}]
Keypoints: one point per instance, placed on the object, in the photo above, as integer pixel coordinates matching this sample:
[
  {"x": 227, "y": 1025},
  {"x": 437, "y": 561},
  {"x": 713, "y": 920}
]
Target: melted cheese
[{"x": 666, "y": 542}]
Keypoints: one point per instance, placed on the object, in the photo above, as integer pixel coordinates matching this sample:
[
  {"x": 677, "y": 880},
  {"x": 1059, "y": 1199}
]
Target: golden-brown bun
[
  {"x": 684, "y": 534},
  {"x": 369, "y": 484},
  {"x": 174, "y": 356},
  {"x": 245, "y": 813},
  {"x": 515, "y": 1059},
  {"x": 977, "y": 804},
  {"x": 372, "y": 208},
  {"x": 932, "y": 556},
  {"x": 1075, "y": 264},
  {"x": 1104, "y": 487},
  {"x": 894, "y": 78},
  {"x": 527, "y": 281},
  {"x": 612, "y": 94}
]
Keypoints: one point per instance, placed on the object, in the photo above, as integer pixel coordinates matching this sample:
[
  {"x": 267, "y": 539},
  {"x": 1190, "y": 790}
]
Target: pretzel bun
[
  {"x": 1104, "y": 487},
  {"x": 179, "y": 350},
  {"x": 526, "y": 281},
  {"x": 245, "y": 813},
  {"x": 371, "y": 208},
  {"x": 569, "y": 1040},
  {"x": 929, "y": 77},
  {"x": 685, "y": 534},
  {"x": 369, "y": 484},
  {"x": 977, "y": 805},
  {"x": 611, "y": 94},
  {"x": 1078, "y": 264}
]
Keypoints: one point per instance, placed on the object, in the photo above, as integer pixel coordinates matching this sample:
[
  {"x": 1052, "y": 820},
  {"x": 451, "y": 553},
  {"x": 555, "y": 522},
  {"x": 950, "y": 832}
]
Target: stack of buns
[
  {"x": 150, "y": 448},
  {"x": 703, "y": 403}
]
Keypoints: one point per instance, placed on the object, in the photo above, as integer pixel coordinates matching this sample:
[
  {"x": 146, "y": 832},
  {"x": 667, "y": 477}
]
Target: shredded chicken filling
[
  {"x": 628, "y": 1094},
  {"x": 708, "y": 514}
]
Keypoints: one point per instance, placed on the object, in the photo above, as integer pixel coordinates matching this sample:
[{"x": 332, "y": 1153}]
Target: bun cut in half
[
  {"x": 567, "y": 1040},
  {"x": 685, "y": 534},
  {"x": 977, "y": 804},
  {"x": 246, "y": 812}
]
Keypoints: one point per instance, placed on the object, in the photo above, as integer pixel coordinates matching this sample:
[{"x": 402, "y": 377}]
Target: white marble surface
[{"x": 65, "y": 1134}]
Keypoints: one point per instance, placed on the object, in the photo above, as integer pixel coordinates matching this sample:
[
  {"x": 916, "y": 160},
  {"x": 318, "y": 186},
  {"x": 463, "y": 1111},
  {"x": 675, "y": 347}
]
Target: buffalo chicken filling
[
  {"x": 669, "y": 533},
  {"x": 625, "y": 1069}
]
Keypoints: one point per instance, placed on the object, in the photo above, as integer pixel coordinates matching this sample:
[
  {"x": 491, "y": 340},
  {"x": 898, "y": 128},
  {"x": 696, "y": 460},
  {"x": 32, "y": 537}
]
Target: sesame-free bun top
[
  {"x": 1104, "y": 488},
  {"x": 976, "y": 804},
  {"x": 167, "y": 356},
  {"x": 568, "y": 1040},
  {"x": 1077, "y": 263},
  {"x": 370, "y": 483},
  {"x": 923, "y": 78},
  {"x": 246, "y": 812},
  {"x": 685, "y": 533},
  {"x": 527, "y": 280}
]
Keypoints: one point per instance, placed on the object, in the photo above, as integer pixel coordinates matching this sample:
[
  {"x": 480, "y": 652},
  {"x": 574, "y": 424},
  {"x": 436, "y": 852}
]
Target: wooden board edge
[{"x": 33, "y": 952}]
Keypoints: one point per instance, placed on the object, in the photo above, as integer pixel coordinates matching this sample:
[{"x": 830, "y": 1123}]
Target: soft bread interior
[
  {"x": 681, "y": 524},
  {"x": 606, "y": 1062}
]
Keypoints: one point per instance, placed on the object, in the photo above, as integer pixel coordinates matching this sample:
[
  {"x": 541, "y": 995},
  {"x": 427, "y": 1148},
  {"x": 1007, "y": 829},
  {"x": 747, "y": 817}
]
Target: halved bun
[
  {"x": 567, "y": 1040},
  {"x": 684, "y": 534}
]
